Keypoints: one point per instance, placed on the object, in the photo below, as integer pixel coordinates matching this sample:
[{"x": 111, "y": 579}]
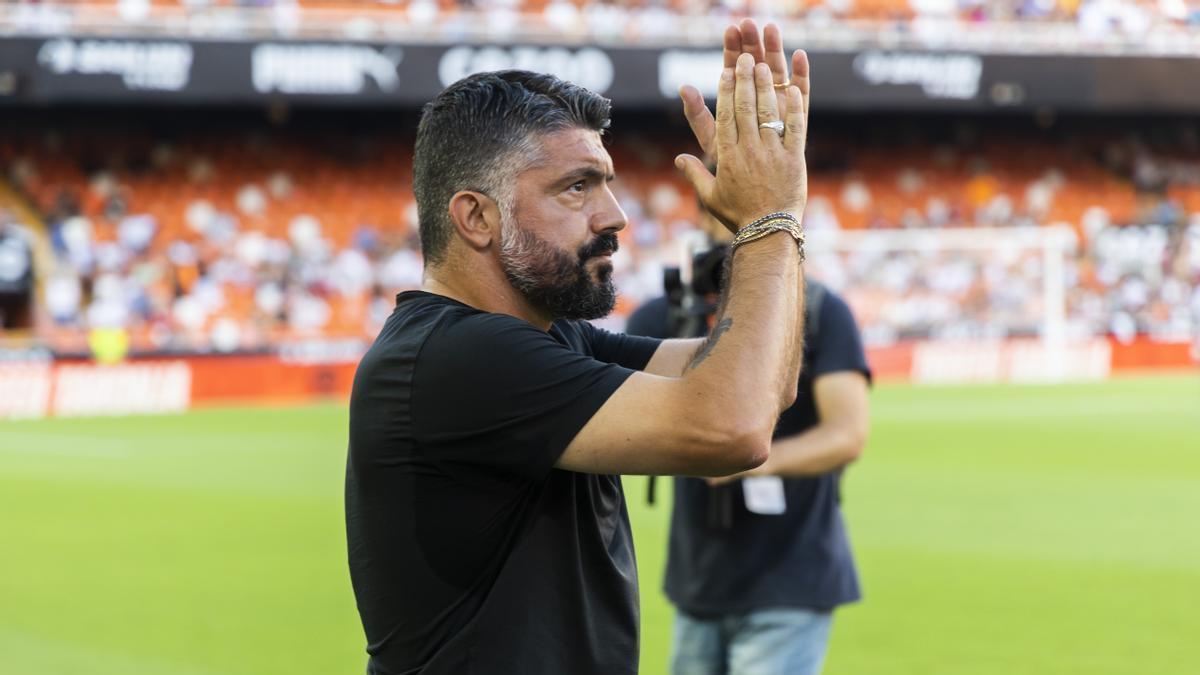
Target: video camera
[{"x": 693, "y": 290}]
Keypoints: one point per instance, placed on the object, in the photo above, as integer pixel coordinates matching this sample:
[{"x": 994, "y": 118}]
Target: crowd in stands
[
  {"x": 1132, "y": 262},
  {"x": 1125, "y": 282},
  {"x": 1082, "y": 23},
  {"x": 227, "y": 241}
]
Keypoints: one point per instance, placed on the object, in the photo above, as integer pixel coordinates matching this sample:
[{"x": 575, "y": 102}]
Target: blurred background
[{"x": 205, "y": 214}]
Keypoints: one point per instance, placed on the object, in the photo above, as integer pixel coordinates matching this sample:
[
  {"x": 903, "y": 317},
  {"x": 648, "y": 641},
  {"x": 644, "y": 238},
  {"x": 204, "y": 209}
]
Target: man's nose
[{"x": 610, "y": 217}]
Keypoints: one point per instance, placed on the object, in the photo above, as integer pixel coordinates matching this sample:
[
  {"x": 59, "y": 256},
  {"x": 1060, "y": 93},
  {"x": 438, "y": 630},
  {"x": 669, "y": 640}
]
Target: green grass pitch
[{"x": 1000, "y": 530}]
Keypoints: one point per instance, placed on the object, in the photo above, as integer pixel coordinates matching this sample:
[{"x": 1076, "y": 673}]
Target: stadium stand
[
  {"x": 1112, "y": 26},
  {"x": 224, "y": 240}
]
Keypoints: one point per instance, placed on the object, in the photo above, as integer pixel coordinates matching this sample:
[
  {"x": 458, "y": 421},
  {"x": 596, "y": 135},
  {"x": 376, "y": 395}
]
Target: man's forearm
[
  {"x": 743, "y": 376},
  {"x": 750, "y": 360},
  {"x": 819, "y": 450},
  {"x": 797, "y": 363},
  {"x": 673, "y": 356}
]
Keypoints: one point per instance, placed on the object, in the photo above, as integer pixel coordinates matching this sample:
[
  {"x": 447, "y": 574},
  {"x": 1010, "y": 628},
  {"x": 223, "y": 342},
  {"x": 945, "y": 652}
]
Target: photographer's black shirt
[
  {"x": 470, "y": 553},
  {"x": 718, "y": 564}
]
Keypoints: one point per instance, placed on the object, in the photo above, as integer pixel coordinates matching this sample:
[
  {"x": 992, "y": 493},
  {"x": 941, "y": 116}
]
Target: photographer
[
  {"x": 755, "y": 567},
  {"x": 486, "y": 526}
]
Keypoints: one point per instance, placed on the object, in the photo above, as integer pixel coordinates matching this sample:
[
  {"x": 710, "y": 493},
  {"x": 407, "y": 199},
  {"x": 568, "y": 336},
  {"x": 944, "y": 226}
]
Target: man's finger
[
  {"x": 751, "y": 43},
  {"x": 727, "y": 134},
  {"x": 768, "y": 111},
  {"x": 704, "y": 127},
  {"x": 733, "y": 45},
  {"x": 773, "y": 44},
  {"x": 796, "y": 122},
  {"x": 697, "y": 174},
  {"x": 800, "y": 75},
  {"x": 745, "y": 106}
]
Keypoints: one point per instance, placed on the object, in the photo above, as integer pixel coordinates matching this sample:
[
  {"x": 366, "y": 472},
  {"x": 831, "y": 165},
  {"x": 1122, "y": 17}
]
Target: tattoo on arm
[{"x": 711, "y": 343}]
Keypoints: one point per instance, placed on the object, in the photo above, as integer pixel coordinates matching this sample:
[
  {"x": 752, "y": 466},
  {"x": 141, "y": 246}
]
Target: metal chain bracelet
[
  {"x": 769, "y": 224},
  {"x": 769, "y": 216}
]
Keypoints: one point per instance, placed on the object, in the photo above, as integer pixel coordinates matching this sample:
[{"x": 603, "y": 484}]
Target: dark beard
[{"x": 558, "y": 284}]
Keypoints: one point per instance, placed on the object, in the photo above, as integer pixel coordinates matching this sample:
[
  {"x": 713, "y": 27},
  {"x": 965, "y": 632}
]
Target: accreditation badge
[{"x": 764, "y": 495}]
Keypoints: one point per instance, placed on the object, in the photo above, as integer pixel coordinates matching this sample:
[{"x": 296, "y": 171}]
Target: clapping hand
[{"x": 759, "y": 170}]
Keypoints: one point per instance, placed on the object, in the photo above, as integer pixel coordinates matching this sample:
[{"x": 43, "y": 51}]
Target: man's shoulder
[
  {"x": 421, "y": 316},
  {"x": 446, "y": 338},
  {"x": 650, "y": 319},
  {"x": 657, "y": 303},
  {"x": 833, "y": 340},
  {"x": 831, "y": 296},
  {"x": 828, "y": 311}
]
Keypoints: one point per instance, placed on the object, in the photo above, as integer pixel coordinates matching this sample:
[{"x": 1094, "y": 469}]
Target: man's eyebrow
[{"x": 588, "y": 173}]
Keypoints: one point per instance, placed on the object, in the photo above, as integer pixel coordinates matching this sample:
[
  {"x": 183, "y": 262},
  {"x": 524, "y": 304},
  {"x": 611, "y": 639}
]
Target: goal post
[{"x": 976, "y": 304}]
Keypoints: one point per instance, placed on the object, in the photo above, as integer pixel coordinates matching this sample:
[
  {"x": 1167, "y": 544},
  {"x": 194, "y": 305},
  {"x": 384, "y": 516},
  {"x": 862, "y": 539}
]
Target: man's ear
[{"x": 476, "y": 216}]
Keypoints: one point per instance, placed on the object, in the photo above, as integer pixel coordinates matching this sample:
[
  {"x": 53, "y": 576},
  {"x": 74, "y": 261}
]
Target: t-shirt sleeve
[
  {"x": 493, "y": 393},
  {"x": 629, "y": 351},
  {"x": 839, "y": 344}
]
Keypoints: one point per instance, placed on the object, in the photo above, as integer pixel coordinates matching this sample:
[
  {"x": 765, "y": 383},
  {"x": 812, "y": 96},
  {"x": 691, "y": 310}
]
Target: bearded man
[{"x": 486, "y": 524}]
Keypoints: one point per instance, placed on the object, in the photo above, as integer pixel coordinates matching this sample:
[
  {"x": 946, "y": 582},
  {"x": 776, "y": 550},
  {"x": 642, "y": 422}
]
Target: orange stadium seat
[{"x": 356, "y": 199}]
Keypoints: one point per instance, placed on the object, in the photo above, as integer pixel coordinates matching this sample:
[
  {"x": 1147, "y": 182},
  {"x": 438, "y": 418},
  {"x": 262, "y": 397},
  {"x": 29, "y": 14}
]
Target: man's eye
[{"x": 578, "y": 187}]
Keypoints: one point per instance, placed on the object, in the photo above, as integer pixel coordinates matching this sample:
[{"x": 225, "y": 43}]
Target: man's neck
[{"x": 482, "y": 291}]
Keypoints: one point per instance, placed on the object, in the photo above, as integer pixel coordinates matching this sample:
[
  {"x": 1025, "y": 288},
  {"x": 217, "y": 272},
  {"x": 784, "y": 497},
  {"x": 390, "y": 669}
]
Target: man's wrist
[{"x": 768, "y": 225}]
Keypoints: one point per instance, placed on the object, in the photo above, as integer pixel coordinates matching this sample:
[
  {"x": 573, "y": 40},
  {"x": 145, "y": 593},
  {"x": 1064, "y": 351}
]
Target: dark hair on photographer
[{"x": 479, "y": 133}]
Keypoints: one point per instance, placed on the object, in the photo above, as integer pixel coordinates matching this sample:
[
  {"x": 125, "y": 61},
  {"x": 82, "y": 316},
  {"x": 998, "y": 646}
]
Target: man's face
[{"x": 557, "y": 242}]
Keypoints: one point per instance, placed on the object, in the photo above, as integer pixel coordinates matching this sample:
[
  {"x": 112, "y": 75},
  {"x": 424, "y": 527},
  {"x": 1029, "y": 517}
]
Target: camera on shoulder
[{"x": 693, "y": 290}]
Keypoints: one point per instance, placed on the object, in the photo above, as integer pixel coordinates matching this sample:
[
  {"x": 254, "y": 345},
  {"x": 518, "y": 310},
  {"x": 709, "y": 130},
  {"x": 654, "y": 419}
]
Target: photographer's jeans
[{"x": 765, "y": 642}]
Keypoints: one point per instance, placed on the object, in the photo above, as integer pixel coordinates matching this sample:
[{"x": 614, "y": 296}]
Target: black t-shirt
[
  {"x": 724, "y": 559},
  {"x": 469, "y": 552}
]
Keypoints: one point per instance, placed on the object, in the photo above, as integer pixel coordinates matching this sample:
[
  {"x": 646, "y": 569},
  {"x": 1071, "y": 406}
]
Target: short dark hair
[{"x": 480, "y": 124}]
